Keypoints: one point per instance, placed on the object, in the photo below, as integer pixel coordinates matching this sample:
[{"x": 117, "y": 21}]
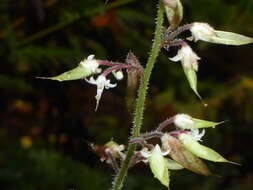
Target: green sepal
[
  {"x": 159, "y": 166},
  {"x": 198, "y": 123},
  {"x": 191, "y": 76},
  {"x": 199, "y": 150},
  {"x": 184, "y": 157},
  {"x": 79, "y": 72},
  {"x": 229, "y": 38},
  {"x": 173, "y": 165},
  {"x": 111, "y": 144}
]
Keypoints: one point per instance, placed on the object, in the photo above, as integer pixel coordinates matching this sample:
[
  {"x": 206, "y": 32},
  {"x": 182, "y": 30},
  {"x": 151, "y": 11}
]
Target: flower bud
[
  {"x": 118, "y": 75},
  {"x": 174, "y": 12}
]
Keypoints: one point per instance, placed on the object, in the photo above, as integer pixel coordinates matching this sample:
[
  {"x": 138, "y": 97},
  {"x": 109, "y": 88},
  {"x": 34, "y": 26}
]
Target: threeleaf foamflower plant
[{"x": 180, "y": 147}]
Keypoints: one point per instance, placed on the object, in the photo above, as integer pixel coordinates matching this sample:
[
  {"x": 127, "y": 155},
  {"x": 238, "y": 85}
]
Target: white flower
[
  {"x": 157, "y": 151},
  {"x": 101, "y": 83},
  {"x": 118, "y": 74},
  {"x": 196, "y": 135},
  {"x": 188, "y": 57},
  {"x": 91, "y": 64},
  {"x": 158, "y": 164},
  {"x": 184, "y": 121},
  {"x": 202, "y": 31}
]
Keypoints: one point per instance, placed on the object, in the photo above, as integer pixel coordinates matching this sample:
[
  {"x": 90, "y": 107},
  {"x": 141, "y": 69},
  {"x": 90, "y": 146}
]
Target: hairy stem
[{"x": 119, "y": 179}]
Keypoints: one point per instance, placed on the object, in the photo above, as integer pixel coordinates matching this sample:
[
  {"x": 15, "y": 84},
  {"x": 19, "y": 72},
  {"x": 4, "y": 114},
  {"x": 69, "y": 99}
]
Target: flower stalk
[{"x": 137, "y": 122}]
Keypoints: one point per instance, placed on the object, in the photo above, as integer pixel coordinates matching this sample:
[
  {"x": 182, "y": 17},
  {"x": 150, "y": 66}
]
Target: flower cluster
[
  {"x": 181, "y": 145},
  {"x": 90, "y": 67}
]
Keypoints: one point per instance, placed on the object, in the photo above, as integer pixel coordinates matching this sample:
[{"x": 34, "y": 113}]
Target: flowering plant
[{"x": 179, "y": 148}]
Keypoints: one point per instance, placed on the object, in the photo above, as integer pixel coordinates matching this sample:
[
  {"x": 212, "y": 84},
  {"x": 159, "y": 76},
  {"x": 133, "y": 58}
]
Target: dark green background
[{"x": 58, "y": 119}]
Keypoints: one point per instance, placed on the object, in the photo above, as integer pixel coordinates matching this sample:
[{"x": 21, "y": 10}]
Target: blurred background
[{"x": 45, "y": 126}]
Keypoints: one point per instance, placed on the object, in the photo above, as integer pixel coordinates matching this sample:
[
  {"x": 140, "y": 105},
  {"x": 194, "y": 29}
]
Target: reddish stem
[{"x": 117, "y": 67}]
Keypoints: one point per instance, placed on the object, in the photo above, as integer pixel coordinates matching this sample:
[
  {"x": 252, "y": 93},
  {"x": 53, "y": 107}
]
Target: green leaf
[
  {"x": 199, "y": 150},
  {"x": 174, "y": 12},
  {"x": 159, "y": 166}
]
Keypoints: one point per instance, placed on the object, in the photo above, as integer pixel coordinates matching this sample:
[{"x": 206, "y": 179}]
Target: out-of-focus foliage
[
  {"x": 46, "y": 126},
  {"x": 42, "y": 169}
]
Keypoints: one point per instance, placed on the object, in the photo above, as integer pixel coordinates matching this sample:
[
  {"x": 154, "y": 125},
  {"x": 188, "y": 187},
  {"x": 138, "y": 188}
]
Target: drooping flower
[
  {"x": 101, "y": 83},
  {"x": 158, "y": 164},
  {"x": 188, "y": 57},
  {"x": 202, "y": 31},
  {"x": 197, "y": 135},
  {"x": 189, "y": 60},
  {"x": 85, "y": 68},
  {"x": 91, "y": 64},
  {"x": 185, "y": 121}
]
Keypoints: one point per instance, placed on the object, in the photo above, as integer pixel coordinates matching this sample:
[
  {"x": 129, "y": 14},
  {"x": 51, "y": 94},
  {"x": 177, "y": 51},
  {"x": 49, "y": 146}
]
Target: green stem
[
  {"x": 70, "y": 21},
  {"x": 119, "y": 179}
]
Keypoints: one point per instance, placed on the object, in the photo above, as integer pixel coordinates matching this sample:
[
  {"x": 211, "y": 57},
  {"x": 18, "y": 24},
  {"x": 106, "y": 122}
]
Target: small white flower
[
  {"x": 157, "y": 151},
  {"x": 91, "y": 64},
  {"x": 184, "y": 121},
  {"x": 118, "y": 74},
  {"x": 158, "y": 164},
  {"x": 188, "y": 57},
  {"x": 101, "y": 83},
  {"x": 202, "y": 31},
  {"x": 197, "y": 135}
]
